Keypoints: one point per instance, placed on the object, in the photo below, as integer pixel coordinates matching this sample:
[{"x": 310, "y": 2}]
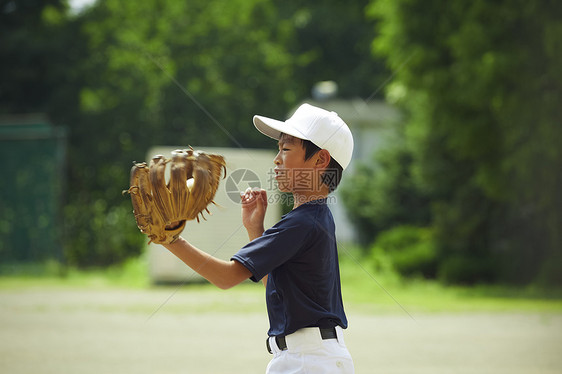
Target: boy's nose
[{"x": 277, "y": 160}]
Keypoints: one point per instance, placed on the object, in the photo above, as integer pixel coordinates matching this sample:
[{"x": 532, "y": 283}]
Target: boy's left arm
[
  {"x": 225, "y": 274},
  {"x": 221, "y": 273}
]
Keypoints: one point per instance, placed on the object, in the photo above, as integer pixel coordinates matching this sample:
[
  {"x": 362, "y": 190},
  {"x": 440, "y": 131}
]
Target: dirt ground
[{"x": 74, "y": 331}]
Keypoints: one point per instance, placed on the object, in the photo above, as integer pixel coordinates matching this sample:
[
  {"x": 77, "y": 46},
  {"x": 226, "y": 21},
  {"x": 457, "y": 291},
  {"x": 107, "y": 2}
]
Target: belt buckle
[{"x": 328, "y": 333}]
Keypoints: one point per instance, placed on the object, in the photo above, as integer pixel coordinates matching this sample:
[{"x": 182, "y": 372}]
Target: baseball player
[{"x": 297, "y": 258}]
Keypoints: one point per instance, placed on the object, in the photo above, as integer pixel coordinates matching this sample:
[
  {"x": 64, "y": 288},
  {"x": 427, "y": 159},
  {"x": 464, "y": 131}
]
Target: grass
[
  {"x": 364, "y": 290},
  {"x": 131, "y": 274},
  {"x": 386, "y": 292}
]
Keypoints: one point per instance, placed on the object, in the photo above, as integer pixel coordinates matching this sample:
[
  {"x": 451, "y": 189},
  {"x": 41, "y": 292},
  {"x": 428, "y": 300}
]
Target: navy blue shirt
[{"x": 299, "y": 254}]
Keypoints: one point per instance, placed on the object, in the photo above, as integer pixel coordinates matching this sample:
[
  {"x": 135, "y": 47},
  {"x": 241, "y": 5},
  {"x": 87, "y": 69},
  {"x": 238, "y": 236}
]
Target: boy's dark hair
[{"x": 332, "y": 175}]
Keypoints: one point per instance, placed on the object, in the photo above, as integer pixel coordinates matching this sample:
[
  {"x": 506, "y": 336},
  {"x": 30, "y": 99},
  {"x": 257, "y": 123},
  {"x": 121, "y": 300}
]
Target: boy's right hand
[{"x": 254, "y": 205}]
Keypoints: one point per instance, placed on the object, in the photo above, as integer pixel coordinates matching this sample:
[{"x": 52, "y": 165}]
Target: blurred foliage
[
  {"x": 382, "y": 194},
  {"x": 158, "y": 73},
  {"x": 411, "y": 250},
  {"x": 469, "y": 194},
  {"x": 124, "y": 76},
  {"x": 332, "y": 41},
  {"x": 481, "y": 83}
]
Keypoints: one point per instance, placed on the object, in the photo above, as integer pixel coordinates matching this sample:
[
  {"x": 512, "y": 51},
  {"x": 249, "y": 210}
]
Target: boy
[{"x": 297, "y": 258}]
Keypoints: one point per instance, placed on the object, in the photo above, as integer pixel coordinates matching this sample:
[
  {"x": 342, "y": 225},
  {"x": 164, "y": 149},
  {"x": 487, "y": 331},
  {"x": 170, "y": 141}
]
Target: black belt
[{"x": 328, "y": 333}]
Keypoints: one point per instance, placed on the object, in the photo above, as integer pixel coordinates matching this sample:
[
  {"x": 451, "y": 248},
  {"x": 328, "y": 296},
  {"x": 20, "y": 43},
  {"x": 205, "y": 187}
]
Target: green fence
[{"x": 31, "y": 189}]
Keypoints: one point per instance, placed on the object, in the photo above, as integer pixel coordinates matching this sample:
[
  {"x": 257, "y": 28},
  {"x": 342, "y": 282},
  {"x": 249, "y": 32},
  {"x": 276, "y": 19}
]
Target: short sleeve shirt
[{"x": 299, "y": 254}]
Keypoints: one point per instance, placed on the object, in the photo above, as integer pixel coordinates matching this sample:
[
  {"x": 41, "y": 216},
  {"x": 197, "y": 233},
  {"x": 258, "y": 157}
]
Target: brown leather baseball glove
[{"x": 161, "y": 209}]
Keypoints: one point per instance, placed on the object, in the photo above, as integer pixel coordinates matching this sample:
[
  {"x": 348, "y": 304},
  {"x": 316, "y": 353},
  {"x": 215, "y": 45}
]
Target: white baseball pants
[{"x": 307, "y": 353}]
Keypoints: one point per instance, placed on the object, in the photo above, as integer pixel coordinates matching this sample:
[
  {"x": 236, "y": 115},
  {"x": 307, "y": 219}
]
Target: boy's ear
[{"x": 323, "y": 158}]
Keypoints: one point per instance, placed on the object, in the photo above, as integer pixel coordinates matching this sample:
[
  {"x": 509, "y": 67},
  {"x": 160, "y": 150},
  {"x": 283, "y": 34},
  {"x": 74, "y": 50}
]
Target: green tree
[
  {"x": 163, "y": 72},
  {"x": 169, "y": 72},
  {"x": 382, "y": 194},
  {"x": 34, "y": 76},
  {"x": 124, "y": 76},
  {"x": 32, "y": 55},
  {"x": 482, "y": 83},
  {"x": 332, "y": 42}
]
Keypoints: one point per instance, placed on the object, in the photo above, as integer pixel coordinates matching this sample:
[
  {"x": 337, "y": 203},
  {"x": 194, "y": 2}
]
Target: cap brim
[{"x": 274, "y": 128}]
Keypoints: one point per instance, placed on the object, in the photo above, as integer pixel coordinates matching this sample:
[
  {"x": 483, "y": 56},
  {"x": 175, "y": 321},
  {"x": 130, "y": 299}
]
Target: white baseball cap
[{"x": 323, "y": 128}]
